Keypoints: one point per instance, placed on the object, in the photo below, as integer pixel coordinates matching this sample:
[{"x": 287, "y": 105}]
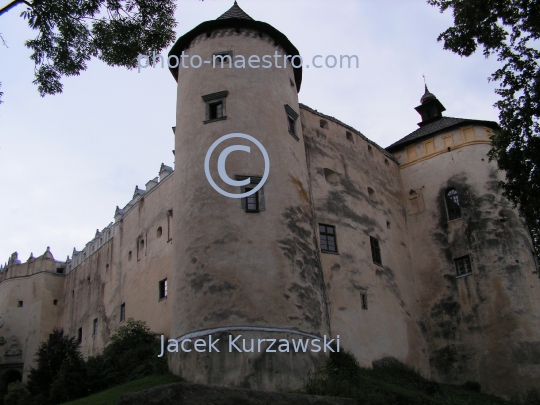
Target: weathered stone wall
[
  {"x": 482, "y": 327},
  {"x": 113, "y": 276},
  {"x": 30, "y": 307},
  {"x": 232, "y": 268},
  {"x": 363, "y": 199}
]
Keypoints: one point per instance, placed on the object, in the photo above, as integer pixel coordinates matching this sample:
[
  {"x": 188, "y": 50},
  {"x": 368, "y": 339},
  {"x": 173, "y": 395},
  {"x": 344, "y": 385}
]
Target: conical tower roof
[{"x": 235, "y": 12}]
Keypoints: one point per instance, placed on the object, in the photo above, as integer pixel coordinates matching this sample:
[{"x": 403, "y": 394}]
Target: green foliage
[
  {"x": 17, "y": 394},
  {"x": 510, "y": 30},
  {"x": 393, "y": 383},
  {"x": 59, "y": 361},
  {"x": 112, "y": 395},
  {"x": 132, "y": 352},
  {"x": 71, "y": 32}
]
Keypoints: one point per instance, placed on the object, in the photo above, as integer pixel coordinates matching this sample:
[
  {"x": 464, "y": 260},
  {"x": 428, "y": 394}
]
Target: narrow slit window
[
  {"x": 328, "y": 238},
  {"x": 363, "y": 297},
  {"x": 375, "y": 251},
  {"x": 79, "y": 335},
  {"x": 163, "y": 289},
  {"x": 122, "y": 312},
  {"x": 95, "y": 329},
  {"x": 452, "y": 204}
]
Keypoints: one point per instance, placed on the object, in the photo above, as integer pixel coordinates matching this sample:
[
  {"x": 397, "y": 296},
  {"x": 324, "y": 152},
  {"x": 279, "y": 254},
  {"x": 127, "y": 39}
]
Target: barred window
[
  {"x": 328, "y": 238},
  {"x": 452, "y": 204},
  {"x": 375, "y": 251},
  {"x": 463, "y": 266},
  {"x": 252, "y": 201}
]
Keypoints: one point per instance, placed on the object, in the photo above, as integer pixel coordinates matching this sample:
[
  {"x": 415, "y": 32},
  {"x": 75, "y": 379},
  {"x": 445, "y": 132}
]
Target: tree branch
[{"x": 5, "y": 9}]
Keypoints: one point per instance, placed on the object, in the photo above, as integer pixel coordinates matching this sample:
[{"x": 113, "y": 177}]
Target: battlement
[{"x": 104, "y": 236}]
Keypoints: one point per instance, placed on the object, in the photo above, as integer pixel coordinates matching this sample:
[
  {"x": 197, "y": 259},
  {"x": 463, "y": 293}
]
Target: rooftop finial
[{"x": 425, "y": 85}]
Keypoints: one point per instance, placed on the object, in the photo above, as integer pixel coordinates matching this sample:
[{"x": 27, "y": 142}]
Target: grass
[
  {"x": 112, "y": 395},
  {"x": 396, "y": 384}
]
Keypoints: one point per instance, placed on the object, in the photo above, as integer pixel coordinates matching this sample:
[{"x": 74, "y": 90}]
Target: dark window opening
[
  {"x": 79, "y": 335},
  {"x": 328, "y": 238},
  {"x": 252, "y": 201},
  {"x": 159, "y": 232},
  {"x": 452, "y": 204},
  {"x": 216, "y": 110},
  {"x": 292, "y": 126},
  {"x": 163, "y": 289},
  {"x": 463, "y": 266},
  {"x": 371, "y": 193},
  {"x": 129, "y": 255},
  {"x": 95, "y": 330},
  {"x": 107, "y": 267},
  {"x": 349, "y": 136},
  {"x": 363, "y": 297},
  {"x": 55, "y": 302},
  {"x": 388, "y": 224},
  {"x": 375, "y": 251},
  {"x": 323, "y": 124},
  {"x": 122, "y": 312},
  {"x": 60, "y": 270},
  {"x": 19, "y": 304}
]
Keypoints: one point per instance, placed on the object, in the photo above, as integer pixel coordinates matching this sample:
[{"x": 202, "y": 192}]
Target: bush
[
  {"x": 58, "y": 358},
  {"x": 17, "y": 394},
  {"x": 132, "y": 353}
]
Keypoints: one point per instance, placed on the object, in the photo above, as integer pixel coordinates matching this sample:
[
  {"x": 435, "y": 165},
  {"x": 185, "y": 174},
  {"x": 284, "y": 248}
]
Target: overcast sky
[{"x": 67, "y": 161}]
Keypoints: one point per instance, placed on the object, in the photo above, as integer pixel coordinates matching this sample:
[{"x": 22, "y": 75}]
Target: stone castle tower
[{"x": 409, "y": 251}]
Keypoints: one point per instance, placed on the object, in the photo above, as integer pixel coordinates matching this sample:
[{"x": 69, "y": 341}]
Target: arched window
[{"x": 452, "y": 204}]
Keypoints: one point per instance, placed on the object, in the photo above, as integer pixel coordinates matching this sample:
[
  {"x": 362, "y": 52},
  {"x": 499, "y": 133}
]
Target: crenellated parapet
[{"x": 102, "y": 237}]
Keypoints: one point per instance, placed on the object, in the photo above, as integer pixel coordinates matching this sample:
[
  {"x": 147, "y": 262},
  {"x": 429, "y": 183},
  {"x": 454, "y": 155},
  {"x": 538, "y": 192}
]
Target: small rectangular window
[
  {"x": 20, "y": 304},
  {"x": 252, "y": 201},
  {"x": 122, "y": 312},
  {"x": 463, "y": 266},
  {"x": 55, "y": 302},
  {"x": 328, "y": 238},
  {"x": 95, "y": 330},
  {"x": 363, "y": 297},
  {"x": 375, "y": 251},
  {"x": 215, "y": 106},
  {"x": 79, "y": 335},
  {"x": 60, "y": 270},
  {"x": 163, "y": 289},
  {"x": 292, "y": 116}
]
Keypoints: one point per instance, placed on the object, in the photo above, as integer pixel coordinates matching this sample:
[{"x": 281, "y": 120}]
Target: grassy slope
[
  {"x": 112, "y": 395},
  {"x": 375, "y": 387}
]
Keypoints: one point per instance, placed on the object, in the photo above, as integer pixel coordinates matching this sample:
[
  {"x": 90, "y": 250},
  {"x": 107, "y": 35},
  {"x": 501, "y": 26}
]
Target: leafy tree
[
  {"x": 509, "y": 30},
  {"x": 71, "y": 32},
  {"x": 59, "y": 361}
]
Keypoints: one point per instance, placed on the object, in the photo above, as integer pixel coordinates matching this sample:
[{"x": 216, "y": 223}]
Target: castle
[{"x": 409, "y": 251}]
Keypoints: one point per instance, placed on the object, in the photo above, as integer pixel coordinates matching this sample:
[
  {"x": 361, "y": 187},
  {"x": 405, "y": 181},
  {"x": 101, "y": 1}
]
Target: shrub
[
  {"x": 17, "y": 394},
  {"x": 132, "y": 353}
]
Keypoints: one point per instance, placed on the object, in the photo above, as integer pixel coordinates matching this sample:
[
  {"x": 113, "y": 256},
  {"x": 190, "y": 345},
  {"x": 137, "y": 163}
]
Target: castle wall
[
  {"x": 483, "y": 326},
  {"x": 113, "y": 276},
  {"x": 28, "y": 311},
  {"x": 391, "y": 323}
]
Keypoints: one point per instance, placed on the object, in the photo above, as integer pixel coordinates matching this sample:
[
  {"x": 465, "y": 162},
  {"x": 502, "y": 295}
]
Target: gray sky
[{"x": 67, "y": 161}]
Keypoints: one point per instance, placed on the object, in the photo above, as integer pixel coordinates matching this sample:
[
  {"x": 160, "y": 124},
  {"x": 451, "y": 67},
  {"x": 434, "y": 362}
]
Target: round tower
[{"x": 242, "y": 266}]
